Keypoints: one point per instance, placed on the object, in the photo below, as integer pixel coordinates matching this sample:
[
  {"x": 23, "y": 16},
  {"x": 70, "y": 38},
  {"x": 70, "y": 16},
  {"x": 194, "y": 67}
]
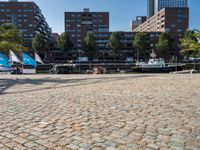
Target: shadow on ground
[{"x": 6, "y": 84}]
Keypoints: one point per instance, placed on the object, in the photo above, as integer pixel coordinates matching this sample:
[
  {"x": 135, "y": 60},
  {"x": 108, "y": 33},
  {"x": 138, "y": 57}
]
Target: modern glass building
[
  {"x": 154, "y": 6},
  {"x": 150, "y": 8},
  {"x": 160, "y": 4}
]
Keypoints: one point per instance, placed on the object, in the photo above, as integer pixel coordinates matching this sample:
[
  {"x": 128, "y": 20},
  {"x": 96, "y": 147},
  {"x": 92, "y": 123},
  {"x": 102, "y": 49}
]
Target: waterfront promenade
[{"x": 100, "y": 112}]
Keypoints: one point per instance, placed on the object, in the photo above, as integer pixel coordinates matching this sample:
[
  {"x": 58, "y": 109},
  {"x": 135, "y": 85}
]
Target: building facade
[
  {"x": 28, "y": 18},
  {"x": 160, "y": 4},
  {"x": 78, "y": 24},
  {"x": 154, "y": 6},
  {"x": 137, "y": 22},
  {"x": 150, "y": 8},
  {"x": 175, "y": 21},
  {"x": 105, "y": 55}
]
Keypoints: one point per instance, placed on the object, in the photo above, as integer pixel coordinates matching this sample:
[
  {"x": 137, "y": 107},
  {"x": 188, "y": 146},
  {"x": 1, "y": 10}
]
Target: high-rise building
[
  {"x": 160, "y": 4},
  {"x": 154, "y": 6},
  {"x": 78, "y": 24},
  {"x": 150, "y": 8},
  {"x": 27, "y": 17}
]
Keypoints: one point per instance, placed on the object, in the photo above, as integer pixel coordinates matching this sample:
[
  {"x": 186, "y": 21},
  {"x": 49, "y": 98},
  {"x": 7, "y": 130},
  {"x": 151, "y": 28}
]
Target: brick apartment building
[
  {"x": 77, "y": 24},
  {"x": 28, "y": 18},
  {"x": 137, "y": 22},
  {"x": 103, "y": 54},
  {"x": 175, "y": 21}
]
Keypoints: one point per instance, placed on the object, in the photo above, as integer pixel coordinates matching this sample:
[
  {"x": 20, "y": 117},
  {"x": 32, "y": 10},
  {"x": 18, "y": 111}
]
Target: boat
[
  {"x": 5, "y": 69},
  {"x": 156, "y": 65}
]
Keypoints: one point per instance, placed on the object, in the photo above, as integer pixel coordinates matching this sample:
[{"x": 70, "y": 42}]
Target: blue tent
[
  {"x": 4, "y": 61},
  {"x": 27, "y": 60}
]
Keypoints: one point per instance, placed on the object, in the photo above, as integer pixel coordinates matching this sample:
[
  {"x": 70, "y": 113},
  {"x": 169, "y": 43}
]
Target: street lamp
[
  {"x": 103, "y": 54},
  {"x": 79, "y": 61}
]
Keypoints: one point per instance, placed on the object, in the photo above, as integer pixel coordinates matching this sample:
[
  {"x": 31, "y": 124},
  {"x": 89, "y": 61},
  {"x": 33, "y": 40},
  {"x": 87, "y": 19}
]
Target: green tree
[
  {"x": 190, "y": 46},
  {"x": 10, "y": 39},
  {"x": 140, "y": 42},
  {"x": 115, "y": 43},
  {"x": 164, "y": 46},
  {"x": 38, "y": 43},
  {"x": 65, "y": 42},
  {"x": 90, "y": 45}
]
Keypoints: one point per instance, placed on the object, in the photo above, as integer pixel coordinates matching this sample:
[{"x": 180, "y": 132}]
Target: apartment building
[
  {"x": 103, "y": 54},
  {"x": 78, "y": 24},
  {"x": 172, "y": 20},
  {"x": 28, "y": 18},
  {"x": 137, "y": 22}
]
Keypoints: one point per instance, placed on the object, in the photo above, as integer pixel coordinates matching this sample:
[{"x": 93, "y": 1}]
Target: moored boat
[{"x": 156, "y": 66}]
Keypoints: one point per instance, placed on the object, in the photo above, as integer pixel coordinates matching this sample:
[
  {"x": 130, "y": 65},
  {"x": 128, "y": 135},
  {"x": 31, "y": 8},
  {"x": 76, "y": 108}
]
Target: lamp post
[
  {"x": 103, "y": 55},
  {"x": 79, "y": 61}
]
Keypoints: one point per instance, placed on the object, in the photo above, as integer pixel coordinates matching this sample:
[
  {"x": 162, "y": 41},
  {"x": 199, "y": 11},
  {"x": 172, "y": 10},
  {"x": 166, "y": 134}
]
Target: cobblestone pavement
[{"x": 100, "y": 112}]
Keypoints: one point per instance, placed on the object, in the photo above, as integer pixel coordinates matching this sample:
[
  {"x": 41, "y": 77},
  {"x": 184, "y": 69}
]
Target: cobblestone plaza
[{"x": 100, "y": 112}]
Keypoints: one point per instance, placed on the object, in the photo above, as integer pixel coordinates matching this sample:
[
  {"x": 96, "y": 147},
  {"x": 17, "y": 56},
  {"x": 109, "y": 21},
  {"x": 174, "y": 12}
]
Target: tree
[
  {"x": 190, "y": 46},
  {"x": 37, "y": 42},
  {"x": 64, "y": 42},
  {"x": 10, "y": 39},
  {"x": 90, "y": 45},
  {"x": 115, "y": 43},
  {"x": 164, "y": 46},
  {"x": 140, "y": 42}
]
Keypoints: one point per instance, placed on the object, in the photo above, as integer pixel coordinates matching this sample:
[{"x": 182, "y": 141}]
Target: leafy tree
[
  {"x": 115, "y": 43},
  {"x": 38, "y": 43},
  {"x": 10, "y": 39},
  {"x": 140, "y": 42},
  {"x": 65, "y": 42},
  {"x": 164, "y": 45},
  {"x": 190, "y": 46},
  {"x": 90, "y": 45}
]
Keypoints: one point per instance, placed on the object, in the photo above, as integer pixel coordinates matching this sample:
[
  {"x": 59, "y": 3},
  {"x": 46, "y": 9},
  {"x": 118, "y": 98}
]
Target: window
[
  {"x": 27, "y": 10},
  {"x": 173, "y": 25},
  {"x": 103, "y": 29},
  {"x": 179, "y": 30}
]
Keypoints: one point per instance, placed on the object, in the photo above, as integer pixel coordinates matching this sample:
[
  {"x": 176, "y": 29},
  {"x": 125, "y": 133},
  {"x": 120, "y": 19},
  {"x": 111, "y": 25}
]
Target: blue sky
[{"x": 121, "y": 11}]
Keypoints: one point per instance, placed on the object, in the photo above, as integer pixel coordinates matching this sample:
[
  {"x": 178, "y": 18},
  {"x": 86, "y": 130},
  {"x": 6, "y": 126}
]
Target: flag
[
  {"x": 27, "y": 60},
  {"x": 38, "y": 59},
  {"x": 14, "y": 58},
  {"x": 4, "y": 61}
]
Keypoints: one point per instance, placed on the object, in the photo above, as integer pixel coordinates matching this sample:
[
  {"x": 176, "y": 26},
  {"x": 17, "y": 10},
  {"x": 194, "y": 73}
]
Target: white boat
[{"x": 156, "y": 65}]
